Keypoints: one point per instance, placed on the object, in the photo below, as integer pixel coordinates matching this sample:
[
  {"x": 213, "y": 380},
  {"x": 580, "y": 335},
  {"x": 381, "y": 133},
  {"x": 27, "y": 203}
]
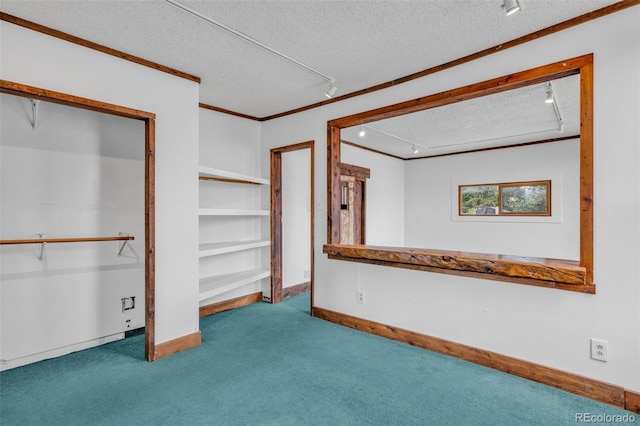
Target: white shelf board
[
  {"x": 232, "y": 212},
  {"x": 224, "y": 174},
  {"x": 217, "y": 285},
  {"x": 213, "y": 249}
]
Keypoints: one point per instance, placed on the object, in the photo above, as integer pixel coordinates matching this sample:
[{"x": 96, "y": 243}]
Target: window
[{"x": 505, "y": 199}]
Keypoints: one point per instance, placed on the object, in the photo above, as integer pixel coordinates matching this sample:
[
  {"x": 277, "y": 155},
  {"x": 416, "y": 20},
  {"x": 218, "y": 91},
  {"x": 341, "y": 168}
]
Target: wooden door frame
[
  {"x": 148, "y": 118},
  {"x": 277, "y": 293}
]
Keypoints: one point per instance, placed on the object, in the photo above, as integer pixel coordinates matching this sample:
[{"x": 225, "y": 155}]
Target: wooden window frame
[
  {"x": 515, "y": 269},
  {"x": 501, "y": 186}
]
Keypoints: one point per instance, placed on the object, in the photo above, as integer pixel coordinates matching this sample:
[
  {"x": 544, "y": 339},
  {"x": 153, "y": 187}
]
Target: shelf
[
  {"x": 209, "y": 173},
  {"x": 217, "y": 285},
  {"x": 214, "y": 249},
  {"x": 232, "y": 212}
]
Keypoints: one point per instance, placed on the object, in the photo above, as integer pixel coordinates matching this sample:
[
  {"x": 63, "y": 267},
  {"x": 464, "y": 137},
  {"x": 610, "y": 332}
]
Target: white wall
[
  {"x": 516, "y": 320},
  {"x": 35, "y": 59},
  {"x": 78, "y": 174},
  {"x": 432, "y": 202},
  {"x": 385, "y": 204},
  {"x": 296, "y": 217},
  {"x": 233, "y": 144}
]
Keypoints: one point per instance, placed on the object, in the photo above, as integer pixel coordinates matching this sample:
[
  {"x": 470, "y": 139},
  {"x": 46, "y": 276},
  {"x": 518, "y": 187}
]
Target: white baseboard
[{"x": 7, "y": 364}]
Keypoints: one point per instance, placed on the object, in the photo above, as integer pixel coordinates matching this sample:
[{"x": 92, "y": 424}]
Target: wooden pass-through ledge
[{"x": 557, "y": 273}]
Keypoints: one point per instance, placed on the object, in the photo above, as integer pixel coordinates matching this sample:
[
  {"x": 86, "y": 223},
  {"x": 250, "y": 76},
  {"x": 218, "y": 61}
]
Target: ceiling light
[
  {"x": 511, "y": 6},
  {"x": 332, "y": 89},
  {"x": 414, "y": 148},
  {"x": 549, "y": 99},
  {"x": 362, "y": 133}
]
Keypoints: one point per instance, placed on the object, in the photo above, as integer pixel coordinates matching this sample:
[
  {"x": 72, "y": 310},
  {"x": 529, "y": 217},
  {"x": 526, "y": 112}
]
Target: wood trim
[
  {"x": 374, "y": 150},
  {"x": 501, "y": 84},
  {"x": 582, "y": 65},
  {"x": 150, "y": 240},
  {"x": 24, "y": 90},
  {"x": 226, "y": 305},
  {"x": 180, "y": 344},
  {"x": 277, "y": 293},
  {"x": 32, "y": 92},
  {"x": 276, "y": 226},
  {"x": 358, "y": 172},
  {"x": 67, "y": 240},
  {"x": 632, "y": 401},
  {"x": 607, "y": 10},
  {"x": 586, "y": 168},
  {"x": 229, "y": 112},
  {"x": 333, "y": 184},
  {"x": 554, "y": 273},
  {"x": 579, "y": 385},
  {"x": 515, "y": 145},
  {"x": 294, "y": 290},
  {"x": 95, "y": 46}
]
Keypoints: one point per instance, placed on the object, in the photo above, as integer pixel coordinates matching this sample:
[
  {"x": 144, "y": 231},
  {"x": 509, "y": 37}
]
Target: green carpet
[{"x": 275, "y": 365}]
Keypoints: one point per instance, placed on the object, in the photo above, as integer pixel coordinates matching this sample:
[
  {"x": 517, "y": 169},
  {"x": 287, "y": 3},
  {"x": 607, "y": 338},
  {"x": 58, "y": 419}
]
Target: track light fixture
[
  {"x": 362, "y": 132},
  {"x": 511, "y": 6},
  {"x": 253, "y": 41},
  {"x": 549, "y": 99},
  {"x": 414, "y": 149},
  {"x": 332, "y": 89}
]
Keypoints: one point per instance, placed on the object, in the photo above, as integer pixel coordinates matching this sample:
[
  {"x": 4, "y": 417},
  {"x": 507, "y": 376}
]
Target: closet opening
[{"x": 83, "y": 184}]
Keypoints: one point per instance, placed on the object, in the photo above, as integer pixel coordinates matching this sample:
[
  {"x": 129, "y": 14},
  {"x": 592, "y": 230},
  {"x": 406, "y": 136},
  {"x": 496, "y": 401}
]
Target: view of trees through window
[{"x": 518, "y": 198}]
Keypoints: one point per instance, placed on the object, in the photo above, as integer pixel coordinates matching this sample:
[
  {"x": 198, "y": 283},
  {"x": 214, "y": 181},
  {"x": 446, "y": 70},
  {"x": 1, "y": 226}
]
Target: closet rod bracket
[
  {"x": 123, "y": 243},
  {"x": 34, "y": 113},
  {"x": 41, "y": 256}
]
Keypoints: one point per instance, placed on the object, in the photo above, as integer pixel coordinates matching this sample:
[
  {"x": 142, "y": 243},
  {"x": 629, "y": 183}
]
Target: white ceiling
[{"x": 358, "y": 43}]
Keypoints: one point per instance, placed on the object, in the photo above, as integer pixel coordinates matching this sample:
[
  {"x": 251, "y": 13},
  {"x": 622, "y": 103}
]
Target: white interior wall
[
  {"x": 231, "y": 143},
  {"x": 516, "y": 320},
  {"x": 78, "y": 174},
  {"x": 432, "y": 202},
  {"x": 296, "y": 217},
  {"x": 38, "y": 60},
  {"x": 384, "y": 195}
]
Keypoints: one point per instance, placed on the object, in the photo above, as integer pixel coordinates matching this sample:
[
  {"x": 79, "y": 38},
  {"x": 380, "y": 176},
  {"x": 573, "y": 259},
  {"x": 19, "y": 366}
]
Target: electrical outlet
[
  {"x": 307, "y": 274},
  {"x": 266, "y": 299},
  {"x": 600, "y": 350},
  {"x": 361, "y": 296}
]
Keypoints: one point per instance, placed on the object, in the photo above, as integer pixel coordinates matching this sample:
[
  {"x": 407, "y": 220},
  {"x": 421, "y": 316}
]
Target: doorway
[{"x": 293, "y": 234}]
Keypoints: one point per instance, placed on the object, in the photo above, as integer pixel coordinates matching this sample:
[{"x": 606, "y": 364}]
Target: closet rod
[{"x": 67, "y": 240}]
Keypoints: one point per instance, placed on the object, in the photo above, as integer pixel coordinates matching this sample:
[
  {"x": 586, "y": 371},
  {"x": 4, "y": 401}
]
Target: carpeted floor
[{"x": 275, "y": 365}]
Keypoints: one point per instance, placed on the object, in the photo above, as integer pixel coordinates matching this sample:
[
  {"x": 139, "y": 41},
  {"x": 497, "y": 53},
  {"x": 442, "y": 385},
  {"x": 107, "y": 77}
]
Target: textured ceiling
[
  {"x": 507, "y": 118},
  {"x": 358, "y": 43}
]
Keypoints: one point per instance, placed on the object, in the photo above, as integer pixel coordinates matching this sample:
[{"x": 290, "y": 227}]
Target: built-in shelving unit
[
  {"x": 220, "y": 284},
  {"x": 216, "y": 285}
]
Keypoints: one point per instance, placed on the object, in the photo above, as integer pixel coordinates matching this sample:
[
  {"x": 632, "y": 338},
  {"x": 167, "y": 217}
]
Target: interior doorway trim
[
  {"x": 37, "y": 93},
  {"x": 277, "y": 293}
]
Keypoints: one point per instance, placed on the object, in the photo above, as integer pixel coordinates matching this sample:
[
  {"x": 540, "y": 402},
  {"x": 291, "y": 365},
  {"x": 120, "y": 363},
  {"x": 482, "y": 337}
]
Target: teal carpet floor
[{"x": 275, "y": 365}]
